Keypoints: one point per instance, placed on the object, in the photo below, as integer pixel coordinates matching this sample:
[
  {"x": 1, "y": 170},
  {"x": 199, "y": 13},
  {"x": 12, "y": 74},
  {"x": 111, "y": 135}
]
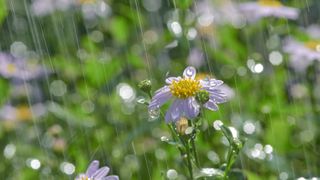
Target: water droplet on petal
[{"x": 189, "y": 72}]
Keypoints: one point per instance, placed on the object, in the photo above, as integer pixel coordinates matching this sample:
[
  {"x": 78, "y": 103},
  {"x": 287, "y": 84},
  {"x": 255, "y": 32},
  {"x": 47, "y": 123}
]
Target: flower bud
[
  {"x": 145, "y": 86},
  {"x": 202, "y": 96},
  {"x": 182, "y": 125}
]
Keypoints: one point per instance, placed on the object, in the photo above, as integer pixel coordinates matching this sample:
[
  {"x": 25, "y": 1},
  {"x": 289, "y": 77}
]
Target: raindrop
[
  {"x": 268, "y": 149},
  {"x": 34, "y": 163},
  {"x": 249, "y": 127},
  {"x": 213, "y": 156},
  {"x": 172, "y": 174},
  {"x": 87, "y": 106},
  {"x": 176, "y": 28},
  {"x": 217, "y": 125},
  {"x": 234, "y": 132},
  {"x": 126, "y": 92},
  {"x": 189, "y": 130},
  {"x": 160, "y": 154},
  {"x": 18, "y": 49},
  {"x": 192, "y": 33},
  {"x": 96, "y": 36},
  {"x": 154, "y": 114},
  {"x": 9, "y": 151},
  {"x": 210, "y": 171},
  {"x": 242, "y": 71},
  {"x": 164, "y": 138},
  {"x": 58, "y": 88},
  {"x": 275, "y": 58},
  {"x": 141, "y": 101},
  {"x": 258, "y": 68},
  {"x": 283, "y": 176},
  {"x": 67, "y": 168}
]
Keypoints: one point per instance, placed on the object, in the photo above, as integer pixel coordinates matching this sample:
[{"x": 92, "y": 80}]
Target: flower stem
[
  {"x": 192, "y": 139},
  {"x": 189, "y": 159},
  {"x": 230, "y": 161}
]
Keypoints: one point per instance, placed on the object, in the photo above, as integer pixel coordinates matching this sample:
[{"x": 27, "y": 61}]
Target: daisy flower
[
  {"x": 267, "y": 8},
  {"x": 302, "y": 54},
  {"x": 184, "y": 92},
  {"x": 16, "y": 68},
  {"x": 95, "y": 173},
  {"x": 22, "y": 112}
]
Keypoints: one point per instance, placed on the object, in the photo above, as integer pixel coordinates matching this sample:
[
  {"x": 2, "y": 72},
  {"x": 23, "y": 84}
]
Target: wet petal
[
  {"x": 191, "y": 108},
  {"x": 211, "y": 105},
  {"x": 100, "y": 173},
  {"x": 169, "y": 80},
  {"x": 111, "y": 178},
  {"x": 217, "y": 96},
  {"x": 93, "y": 167},
  {"x": 211, "y": 83},
  {"x": 190, "y": 72},
  {"x": 174, "y": 112},
  {"x": 160, "y": 98}
]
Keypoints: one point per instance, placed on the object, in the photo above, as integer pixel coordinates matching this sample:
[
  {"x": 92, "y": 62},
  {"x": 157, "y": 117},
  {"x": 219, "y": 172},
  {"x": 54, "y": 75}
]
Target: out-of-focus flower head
[
  {"x": 183, "y": 91},
  {"x": 46, "y": 7},
  {"x": 221, "y": 12},
  {"x": 93, "y": 9},
  {"x": 16, "y": 68},
  {"x": 22, "y": 112},
  {"x": 95, "y": 173},
  {"x": 196, "y": 58},
  {"x": 302, "y": 54},
  {"x": 254, "y": 11}
]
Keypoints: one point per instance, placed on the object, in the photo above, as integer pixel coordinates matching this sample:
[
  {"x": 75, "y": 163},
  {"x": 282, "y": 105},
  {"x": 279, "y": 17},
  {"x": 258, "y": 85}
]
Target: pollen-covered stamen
[
  {"x": 314, "y": 45},
  {"x": 185, "y": 88},
  {"x": 272, "y": 3}
]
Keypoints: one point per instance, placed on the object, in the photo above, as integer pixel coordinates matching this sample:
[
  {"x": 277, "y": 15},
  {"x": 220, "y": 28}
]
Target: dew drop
[
  {"x": 164, "y": 138},
  {"x": 154, "y": 114},
  {"x": 172, "y": 174}
]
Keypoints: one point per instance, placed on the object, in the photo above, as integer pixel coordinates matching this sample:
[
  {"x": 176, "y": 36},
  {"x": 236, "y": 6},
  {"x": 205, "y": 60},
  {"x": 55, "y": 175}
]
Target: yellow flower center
[
  {"x": 314, "y": 45},
  {"x": 24, "y": 113},
  {"x": 185, "y": 88},
  {"x": 270, "y": 3},
  {"x": 84, "y": 177},
  {"x": 11, "y": 68}
]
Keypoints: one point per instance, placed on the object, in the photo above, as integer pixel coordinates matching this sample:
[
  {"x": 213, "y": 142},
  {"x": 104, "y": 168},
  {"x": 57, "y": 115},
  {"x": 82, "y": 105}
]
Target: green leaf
[
  {"x": 4, "y": 89},
  {"x": 119, "y": 30},
  {"x": 99, "y": 73},
  {"x": 3, "y": 10}
]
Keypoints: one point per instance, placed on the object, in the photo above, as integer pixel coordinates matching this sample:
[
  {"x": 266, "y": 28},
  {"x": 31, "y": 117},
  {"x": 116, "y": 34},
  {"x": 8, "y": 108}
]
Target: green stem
[
  {"x": 173, "y": 134},
  {"x": 195, "y": 154},
  {"x": 187, "y": 147},
  {"x": 189, "y": 160},
  {"x": 232, "y": 154}
]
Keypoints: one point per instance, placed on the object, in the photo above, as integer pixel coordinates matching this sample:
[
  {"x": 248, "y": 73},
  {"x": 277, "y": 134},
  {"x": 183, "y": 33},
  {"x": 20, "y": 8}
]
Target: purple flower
[
  {"x": 17, "y": 68},
  {"x": 183, "y": 90},
  {"x": 267, "y": 8},
  {"x": 302, "y": 54},
  {"x": 95, "y": 173}
]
